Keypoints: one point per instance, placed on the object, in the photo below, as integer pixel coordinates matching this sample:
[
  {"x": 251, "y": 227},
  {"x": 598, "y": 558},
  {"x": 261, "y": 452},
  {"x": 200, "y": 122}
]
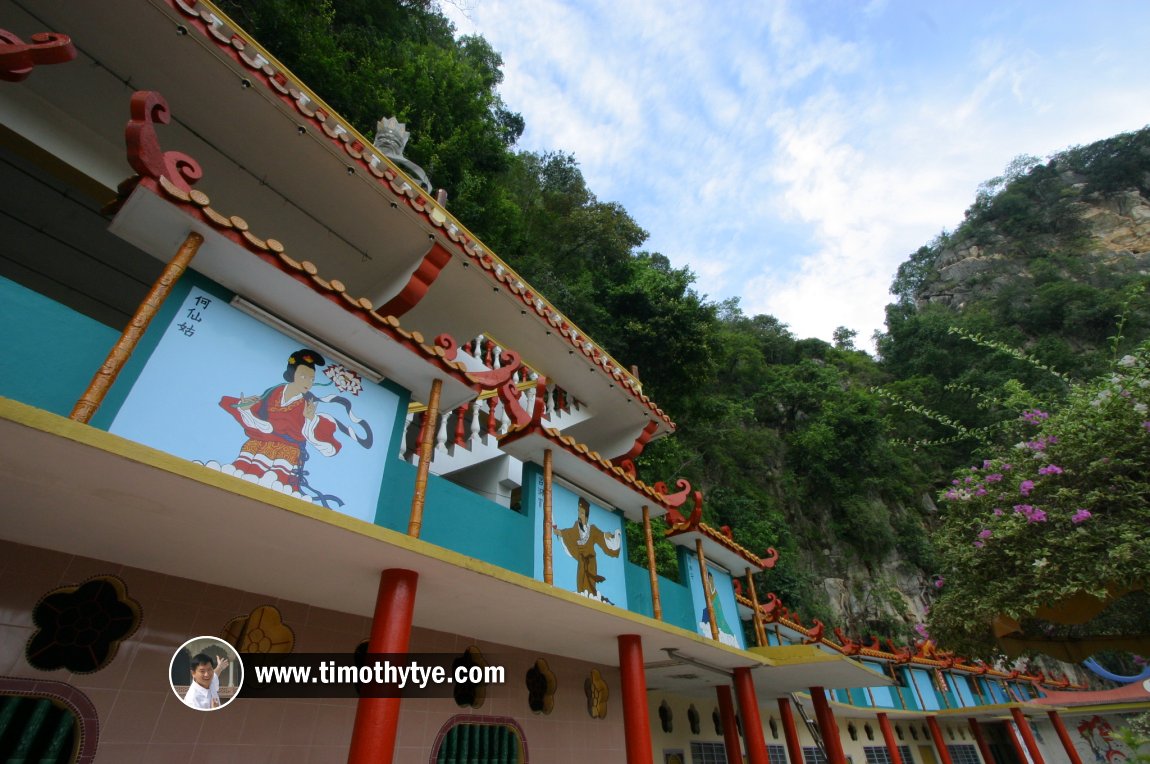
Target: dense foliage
[
  {"x": 796, "y": 443},
  {"x": 1065, "y": 510},
  {"x": 1060, "y": 508},
  {"x": 372, "y": 59}
]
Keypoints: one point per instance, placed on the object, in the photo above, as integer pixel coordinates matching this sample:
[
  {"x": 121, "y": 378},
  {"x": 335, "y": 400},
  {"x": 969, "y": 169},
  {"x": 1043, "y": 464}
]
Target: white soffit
[
  {"x": 159, "y": 228},
  {"x": 579, "y": 471}
]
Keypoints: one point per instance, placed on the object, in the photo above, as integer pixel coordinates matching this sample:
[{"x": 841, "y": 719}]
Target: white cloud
[{"x": 795, "y": 160}]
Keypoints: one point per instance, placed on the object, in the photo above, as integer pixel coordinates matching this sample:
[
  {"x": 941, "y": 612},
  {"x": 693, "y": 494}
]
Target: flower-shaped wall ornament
[
  {"x": 261, "y": 631},
  {"x": 541, "y": 686},
  {"x": 469, "y": 694},
  {"x": 596, "y": 689},
  {"x": 80, "y": 627}
]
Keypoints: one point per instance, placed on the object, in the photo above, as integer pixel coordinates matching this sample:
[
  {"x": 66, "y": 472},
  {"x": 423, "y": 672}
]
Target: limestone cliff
[{"x": 970, "y": 266}]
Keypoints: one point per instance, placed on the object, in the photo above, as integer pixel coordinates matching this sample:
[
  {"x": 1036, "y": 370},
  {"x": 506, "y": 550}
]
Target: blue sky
[{"x": 794, "y": 154}]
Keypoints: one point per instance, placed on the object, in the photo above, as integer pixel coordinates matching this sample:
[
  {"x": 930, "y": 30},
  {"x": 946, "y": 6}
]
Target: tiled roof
[
  {"x": 583, "y": 452},
  {"x": 197, "y": 204},
  {"x": 916, "y": 654},
  {"x": 269, "y": 73},
  {"x": 722, "y": 539}
]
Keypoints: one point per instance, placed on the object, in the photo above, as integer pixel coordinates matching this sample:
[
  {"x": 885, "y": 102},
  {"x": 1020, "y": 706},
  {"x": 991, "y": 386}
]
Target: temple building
[{"x": 259, "y": 385}]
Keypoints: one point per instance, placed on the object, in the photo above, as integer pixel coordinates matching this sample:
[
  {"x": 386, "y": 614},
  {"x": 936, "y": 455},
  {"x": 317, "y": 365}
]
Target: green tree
[
  {"x": 844, "y": 338},
  {"x": 371, "y": 59},
  {"x": 1061, "y": 515}
]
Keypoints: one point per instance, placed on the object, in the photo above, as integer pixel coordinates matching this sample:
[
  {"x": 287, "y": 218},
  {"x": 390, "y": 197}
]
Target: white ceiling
[{"x": 82, "y": 491}]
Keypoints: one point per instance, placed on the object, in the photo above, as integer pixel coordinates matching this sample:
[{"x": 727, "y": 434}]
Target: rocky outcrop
[
  {"x": 961, "y": 271},
  {"x": 1119, "y": 226},
  {"x": 867, "y": 601}
]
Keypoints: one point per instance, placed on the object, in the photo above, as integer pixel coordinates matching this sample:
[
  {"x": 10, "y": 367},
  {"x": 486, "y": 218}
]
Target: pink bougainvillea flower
[
  {"x": 1031, "y": 513},
  {"x": 1081, "y": 516},
  {"x": 1034, "y": 416}
]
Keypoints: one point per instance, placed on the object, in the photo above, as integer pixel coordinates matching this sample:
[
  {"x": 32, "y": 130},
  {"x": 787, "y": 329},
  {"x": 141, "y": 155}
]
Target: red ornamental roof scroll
[
  {"x": 692, "y": 523},
  {"x": 18, "y": 58},
  {"x": 170, "y": 174},
  {"x": 583, "y": 452},
  {"x": 923, "y": 652},
  {"x": 276, "y": 78},
  {"x": 502, "y": 379}
]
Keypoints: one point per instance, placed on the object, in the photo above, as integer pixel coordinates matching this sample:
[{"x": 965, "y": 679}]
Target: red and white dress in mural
[
  {"x": 283, "y": 421},
  {"x": 278, "y": 430}
]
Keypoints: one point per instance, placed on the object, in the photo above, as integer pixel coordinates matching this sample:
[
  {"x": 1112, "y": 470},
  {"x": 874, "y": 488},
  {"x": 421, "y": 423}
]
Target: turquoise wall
[
  {"x": 673, "y": 597},
  {"x": 638, "y": 589},
  {"x": 927, "y": 695},
  {"x": 457, "y": 519},
  {"x": 962, "y": 689},
  {"x": 678, "y": 607},
  {"x": 470, "y": 524},
  {"x": 50, "y": 351},
  {"x": 909, "y": 694},
  {"x": 883, "y": 696}
]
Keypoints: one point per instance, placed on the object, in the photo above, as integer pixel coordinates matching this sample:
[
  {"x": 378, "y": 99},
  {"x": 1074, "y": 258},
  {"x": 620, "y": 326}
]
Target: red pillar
[
  {"x": 827, "y": 727},
  {"x": 1014, "y": 741},
  {"x": 983, "y": 748},
  {"x": 891, "y": 740},
  {"x": 939, "y": 741},
  {"x": 752, "y": 723},
  {"x": 790, "y": 732},
  {"x": 377, "y": 719},
  {"x": 1064, "y": 736},
  {"x": 730, "y": 728},
  {"x": 636, "y": 724},
  {"x": 1027, "y": 735}
]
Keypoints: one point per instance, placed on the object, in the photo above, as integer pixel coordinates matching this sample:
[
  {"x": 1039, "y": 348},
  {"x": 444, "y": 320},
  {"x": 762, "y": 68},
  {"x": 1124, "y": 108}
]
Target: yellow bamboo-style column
[
  {"x": 706, "y": 593},
  {"x": 426, "y": 446},
  {"x": 118, "y": 356},
  {"x": 757, "y": 618},
  {"x": 655, "y": 603},
  {"x": 548, "y": 478}
]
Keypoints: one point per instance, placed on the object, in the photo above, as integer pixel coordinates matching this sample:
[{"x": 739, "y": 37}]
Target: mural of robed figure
[{"x": 580, "y": 541}]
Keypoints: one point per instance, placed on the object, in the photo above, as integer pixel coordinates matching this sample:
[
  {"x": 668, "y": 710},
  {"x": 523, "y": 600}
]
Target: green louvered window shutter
[
  {"x": 468, "y": 743},
  {"x": 36, "y": 730}
]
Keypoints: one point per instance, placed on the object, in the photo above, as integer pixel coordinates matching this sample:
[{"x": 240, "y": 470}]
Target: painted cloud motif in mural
[{"x": 344, "y": 379}]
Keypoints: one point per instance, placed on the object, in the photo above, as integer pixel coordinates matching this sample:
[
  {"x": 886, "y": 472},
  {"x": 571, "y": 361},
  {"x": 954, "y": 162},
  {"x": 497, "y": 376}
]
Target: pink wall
[{"x": 140, "y": 719}]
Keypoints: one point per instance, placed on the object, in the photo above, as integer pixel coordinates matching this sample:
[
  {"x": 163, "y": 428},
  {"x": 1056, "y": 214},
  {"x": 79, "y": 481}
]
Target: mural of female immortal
[{"x": 282, "y": 422}]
